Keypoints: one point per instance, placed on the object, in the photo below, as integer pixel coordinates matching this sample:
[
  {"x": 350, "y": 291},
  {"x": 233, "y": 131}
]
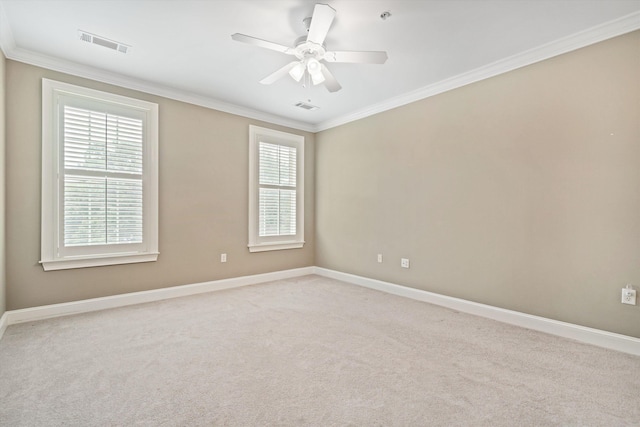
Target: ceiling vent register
[
  {"x": 306, "y": 106},
  {"x": 104, "y": 42}
]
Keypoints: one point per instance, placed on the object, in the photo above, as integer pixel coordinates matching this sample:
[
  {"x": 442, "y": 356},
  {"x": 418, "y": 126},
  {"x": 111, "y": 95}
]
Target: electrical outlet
[
  {"x": 404, "y": 263},
  {"x": 379, "y": 257},
  {"x": 223, "y": 257},
  {"x": 629, "y": 295}
]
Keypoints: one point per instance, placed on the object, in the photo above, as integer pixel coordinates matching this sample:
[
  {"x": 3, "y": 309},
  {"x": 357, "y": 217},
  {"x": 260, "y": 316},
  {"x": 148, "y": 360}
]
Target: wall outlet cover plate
[{"x": 628, "y": 296}]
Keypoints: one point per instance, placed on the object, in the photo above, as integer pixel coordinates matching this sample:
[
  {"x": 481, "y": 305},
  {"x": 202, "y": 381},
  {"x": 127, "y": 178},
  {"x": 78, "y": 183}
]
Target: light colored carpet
[{"x": 305, "y": 351}]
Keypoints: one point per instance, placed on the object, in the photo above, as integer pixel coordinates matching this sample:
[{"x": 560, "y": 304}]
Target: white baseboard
[
  {"x": 4, "y": 322},
  {"x": 13, "y": 317},
  {"x": 583, "y": 334}
]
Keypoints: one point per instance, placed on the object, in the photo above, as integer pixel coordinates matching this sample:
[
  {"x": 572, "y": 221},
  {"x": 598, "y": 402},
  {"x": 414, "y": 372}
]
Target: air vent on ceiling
[
  {"x": 306, "y": 106},
  {"x": 101, "y": 41}
]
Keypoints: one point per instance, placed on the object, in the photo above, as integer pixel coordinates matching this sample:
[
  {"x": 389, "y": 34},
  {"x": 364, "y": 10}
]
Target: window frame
[
  {"x": 271, "y": 243},
  {"x": 54, "y": 255}
]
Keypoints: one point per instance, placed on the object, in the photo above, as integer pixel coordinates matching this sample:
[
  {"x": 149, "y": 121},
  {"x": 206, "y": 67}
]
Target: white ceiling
[{"x": 183, "y": 48}]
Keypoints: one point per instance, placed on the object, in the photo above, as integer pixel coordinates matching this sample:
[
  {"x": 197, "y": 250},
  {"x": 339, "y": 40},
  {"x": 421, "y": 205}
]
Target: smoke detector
[{"x": 104, "y": 42}]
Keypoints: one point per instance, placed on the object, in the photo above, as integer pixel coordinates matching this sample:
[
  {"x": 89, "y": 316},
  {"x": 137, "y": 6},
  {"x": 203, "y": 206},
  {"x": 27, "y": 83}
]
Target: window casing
[
  {"x": 276, "y": 190},
  {"x": 99, "y": 178}
]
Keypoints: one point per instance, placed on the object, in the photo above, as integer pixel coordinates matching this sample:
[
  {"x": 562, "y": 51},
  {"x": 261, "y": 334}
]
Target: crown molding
[
  {"x": 593, "y": 35},
  {"x": 75, "y": 69},
  {"x": 11, "y": 51},
  {"x": 567, "y": 44}
]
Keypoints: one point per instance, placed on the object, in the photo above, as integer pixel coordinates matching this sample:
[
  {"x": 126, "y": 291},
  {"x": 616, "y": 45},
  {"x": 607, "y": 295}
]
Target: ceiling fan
[{"x": 310, "y": 51}]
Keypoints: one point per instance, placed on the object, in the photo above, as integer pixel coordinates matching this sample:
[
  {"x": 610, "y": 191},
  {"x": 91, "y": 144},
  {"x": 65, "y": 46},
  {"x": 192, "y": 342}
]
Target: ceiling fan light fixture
[
  {"x": 297, "y": 71},
  {"x": 313, "y": 66},
  {"x": 315, "y": 71},
  {"x": 317, "y": 78}
]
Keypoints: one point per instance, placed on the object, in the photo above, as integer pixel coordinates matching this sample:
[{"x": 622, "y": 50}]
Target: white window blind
[
  {"x": 101, "y": 206},
  {"x": 277, "y": 198}
]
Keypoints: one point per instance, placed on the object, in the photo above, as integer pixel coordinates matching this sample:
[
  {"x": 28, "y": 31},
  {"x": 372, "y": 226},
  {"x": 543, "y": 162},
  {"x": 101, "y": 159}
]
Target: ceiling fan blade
[
  {"x": 330, "y": 82},
  {"x": 279, "y": 74},
  {"x": 356, "y": 57},
  {"x": 262, "y": 43},
  {"x": 321, "y": 20}
]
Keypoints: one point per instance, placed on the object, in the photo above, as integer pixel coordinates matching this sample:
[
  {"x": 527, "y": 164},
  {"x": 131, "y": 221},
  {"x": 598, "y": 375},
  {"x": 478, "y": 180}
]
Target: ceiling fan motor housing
[{"x": 308, "y": 49}]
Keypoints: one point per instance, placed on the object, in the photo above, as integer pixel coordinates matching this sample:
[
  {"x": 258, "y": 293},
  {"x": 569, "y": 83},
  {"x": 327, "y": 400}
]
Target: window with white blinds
[
  {"x": 103, "y": 194},
  {"x": 276, "y": 190},
  {"x": 277, "y": 198},
  {"x": 99, "y": 178}
]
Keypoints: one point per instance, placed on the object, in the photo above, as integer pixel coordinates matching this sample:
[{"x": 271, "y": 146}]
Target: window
[
  {"x": 276, "y": 190},
  {"x": 99, "y": 178}
]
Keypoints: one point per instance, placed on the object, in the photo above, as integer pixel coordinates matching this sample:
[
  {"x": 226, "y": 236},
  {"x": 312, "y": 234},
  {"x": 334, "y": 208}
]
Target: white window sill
[
  {"x": 68, "y": 263},
  {"x": 275, "y": 246}
]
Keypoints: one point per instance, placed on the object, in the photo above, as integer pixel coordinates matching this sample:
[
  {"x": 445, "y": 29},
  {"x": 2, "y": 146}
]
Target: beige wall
[
  {"x": 521, "y": 191},
  {"x": 2, "y": 186},
  {"x": 203, "y": 201}
]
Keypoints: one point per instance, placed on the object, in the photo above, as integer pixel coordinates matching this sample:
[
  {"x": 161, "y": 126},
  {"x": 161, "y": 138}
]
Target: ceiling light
[
  {"x": 297, "y": 71},
  {"x": 315, "y": 70},
  {"x": 317, "y": 78},
  {"x": 313, "y": 66}
]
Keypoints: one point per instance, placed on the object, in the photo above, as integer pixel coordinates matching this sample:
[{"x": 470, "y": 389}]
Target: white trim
[
  {"x": 96, "y": 261},
  {"x": 583, "y": 334},
  {"x": 609, "y": 340},
  {"x": 275, "y": 246},
  {"x": 590, "y": 36},
  {"x": 605, "y": 31},
  {"x": 76, "y": 307},
  {"x": 87, "y": 72},
  {"x": 257, "y": 243},
  {"x": 11, "y": 51},
  {"x": 54, "y": 255},
  {"x": 4, "y": 322}
]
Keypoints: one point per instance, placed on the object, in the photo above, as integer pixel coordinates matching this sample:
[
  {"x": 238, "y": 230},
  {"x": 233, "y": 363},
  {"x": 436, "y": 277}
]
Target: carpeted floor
[{"x": 305, "y": 351}]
